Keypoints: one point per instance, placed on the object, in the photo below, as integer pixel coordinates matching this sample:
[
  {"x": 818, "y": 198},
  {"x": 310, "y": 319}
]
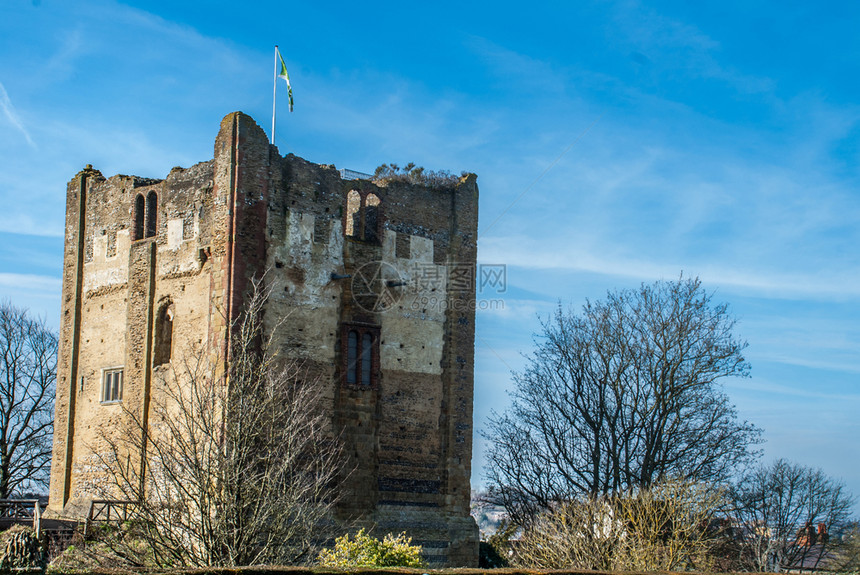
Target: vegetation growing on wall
[{"x": 414, "y": 175}]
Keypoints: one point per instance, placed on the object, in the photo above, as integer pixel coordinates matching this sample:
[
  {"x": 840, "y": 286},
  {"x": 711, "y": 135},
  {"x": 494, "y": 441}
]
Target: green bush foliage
[
  {"x": 496, "y": 551},
  {"x": 366, "y": 551}
]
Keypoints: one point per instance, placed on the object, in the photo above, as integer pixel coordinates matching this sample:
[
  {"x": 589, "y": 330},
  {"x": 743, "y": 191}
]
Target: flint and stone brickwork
[{"x": 340, "y": 257}]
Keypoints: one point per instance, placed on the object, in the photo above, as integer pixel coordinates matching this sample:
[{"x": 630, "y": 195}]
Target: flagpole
[{"x": 274, "y": 93}]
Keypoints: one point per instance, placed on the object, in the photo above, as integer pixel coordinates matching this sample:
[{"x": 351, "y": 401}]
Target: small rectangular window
[{"x": 112, "y": 385}]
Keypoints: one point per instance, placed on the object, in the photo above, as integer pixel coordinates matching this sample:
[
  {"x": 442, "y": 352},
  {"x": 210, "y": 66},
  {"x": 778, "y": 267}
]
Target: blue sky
[{"x": 615, "y": 143}]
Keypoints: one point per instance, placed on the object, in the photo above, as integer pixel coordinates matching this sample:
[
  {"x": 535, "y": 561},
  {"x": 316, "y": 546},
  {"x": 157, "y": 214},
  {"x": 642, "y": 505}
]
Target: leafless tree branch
[
  {"x": 787, "y": 516},
  {"x": 240, "y": 469},
  {"x": 28, "y": 370},
  {"x": 620, "y": 396}
]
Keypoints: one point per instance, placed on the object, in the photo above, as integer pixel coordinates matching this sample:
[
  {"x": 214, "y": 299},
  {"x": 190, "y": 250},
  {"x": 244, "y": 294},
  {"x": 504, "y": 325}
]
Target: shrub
[
  {"x": 106, "y": 546},
  {"x": 667, "y": 527},
  {"x": 496, "y": 551},
  {"x": 367, "y": 551},
  {"x": 415, "y": 175}
]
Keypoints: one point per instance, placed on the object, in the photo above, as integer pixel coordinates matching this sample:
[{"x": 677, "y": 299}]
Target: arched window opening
[
  {"x": 151, "y": 214},
  {"x": 163, "y": 335},
  {"x": 366, "y": 358},
  {"x": 360, "y": 354},
  {"x": 139, "y": 214},
  {"x": 352, "y": 358},
  {"x": 362, "y": 216},
  {"x": 353, "y": 214}
]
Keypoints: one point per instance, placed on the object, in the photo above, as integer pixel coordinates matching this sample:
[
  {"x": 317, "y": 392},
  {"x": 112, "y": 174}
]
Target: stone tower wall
[
  {"x": 113, "y": 287},
  {"x": 250, "y": 212}
]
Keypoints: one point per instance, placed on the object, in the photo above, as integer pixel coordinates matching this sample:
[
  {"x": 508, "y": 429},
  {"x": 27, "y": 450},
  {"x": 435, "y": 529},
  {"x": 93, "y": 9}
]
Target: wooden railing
[
  {"x": 22, "y": 510},
  {"x": 107, "y": 511}
]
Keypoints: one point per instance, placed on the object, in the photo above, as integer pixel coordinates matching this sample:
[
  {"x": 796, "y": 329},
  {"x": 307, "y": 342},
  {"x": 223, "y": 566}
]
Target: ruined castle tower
[{"x": 375, "y": 279}]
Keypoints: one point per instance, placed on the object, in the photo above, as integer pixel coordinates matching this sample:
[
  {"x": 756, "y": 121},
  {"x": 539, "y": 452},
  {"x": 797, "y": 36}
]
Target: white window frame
[{"x": 107, "y": 372}]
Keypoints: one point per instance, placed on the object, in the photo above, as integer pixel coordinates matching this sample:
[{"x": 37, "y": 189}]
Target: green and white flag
[{"x": 282, "y": 73}]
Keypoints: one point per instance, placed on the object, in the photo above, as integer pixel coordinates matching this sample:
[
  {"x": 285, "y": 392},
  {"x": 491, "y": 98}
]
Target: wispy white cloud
[
  {"x": 517, "y": 72},
  {"x": 673, "y": 44},
  {"x": 12, "y": 115},
  {"x": 817, "y": 362},
  {"x": 21, "y": 222},
  {"x": 771, "y": 389},
  {"x": 568, "y": 256},
  {"x": 37, "y": 293},
  {"x": 31, "y": 283}
]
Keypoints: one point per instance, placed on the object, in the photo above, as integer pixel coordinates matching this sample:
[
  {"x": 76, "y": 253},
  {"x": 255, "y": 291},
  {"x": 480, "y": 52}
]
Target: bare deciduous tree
[
  {"x": 620, "y": 396},
  {"x": 786, "y": 516},
  {"x": 28, "y": 371},
  {"x": 240, "y": 470}
]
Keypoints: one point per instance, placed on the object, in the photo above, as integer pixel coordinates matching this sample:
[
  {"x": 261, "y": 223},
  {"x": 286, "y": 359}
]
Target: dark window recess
[
  {"x": 145, "y": 216},
  {"x": 163, "y": 335},
  {"x": 139, "y": 216},
  {"x": 352, "y": 358},
  {"x": 366, "y": 357},
  {"x": 360, "y": 355},
  {"x": 151, "y": 214}
]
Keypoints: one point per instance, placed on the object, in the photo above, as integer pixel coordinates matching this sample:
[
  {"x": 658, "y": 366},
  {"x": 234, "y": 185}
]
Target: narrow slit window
[
  {"x": 352, "y": 358},
  {"x": 151, "y": 214},
  {"x": 359, "y": 355},
  {"x": 139, "y": 215},
  {"x": 366, "y": 358}
]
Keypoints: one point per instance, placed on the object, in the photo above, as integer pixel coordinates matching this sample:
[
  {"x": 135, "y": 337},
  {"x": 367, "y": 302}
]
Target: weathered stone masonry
[{"x": 363, "y": 274}]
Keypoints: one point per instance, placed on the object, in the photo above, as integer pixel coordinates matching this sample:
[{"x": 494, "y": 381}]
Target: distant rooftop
[{"x": 346, "y": 174}]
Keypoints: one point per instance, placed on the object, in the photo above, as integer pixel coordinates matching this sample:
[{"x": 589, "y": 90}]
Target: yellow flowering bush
[{"x": 366, "y": 551}]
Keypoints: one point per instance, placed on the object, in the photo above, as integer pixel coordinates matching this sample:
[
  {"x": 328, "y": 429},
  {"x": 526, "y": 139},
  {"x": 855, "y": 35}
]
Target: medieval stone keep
[{"x": 374, "y": 279}]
